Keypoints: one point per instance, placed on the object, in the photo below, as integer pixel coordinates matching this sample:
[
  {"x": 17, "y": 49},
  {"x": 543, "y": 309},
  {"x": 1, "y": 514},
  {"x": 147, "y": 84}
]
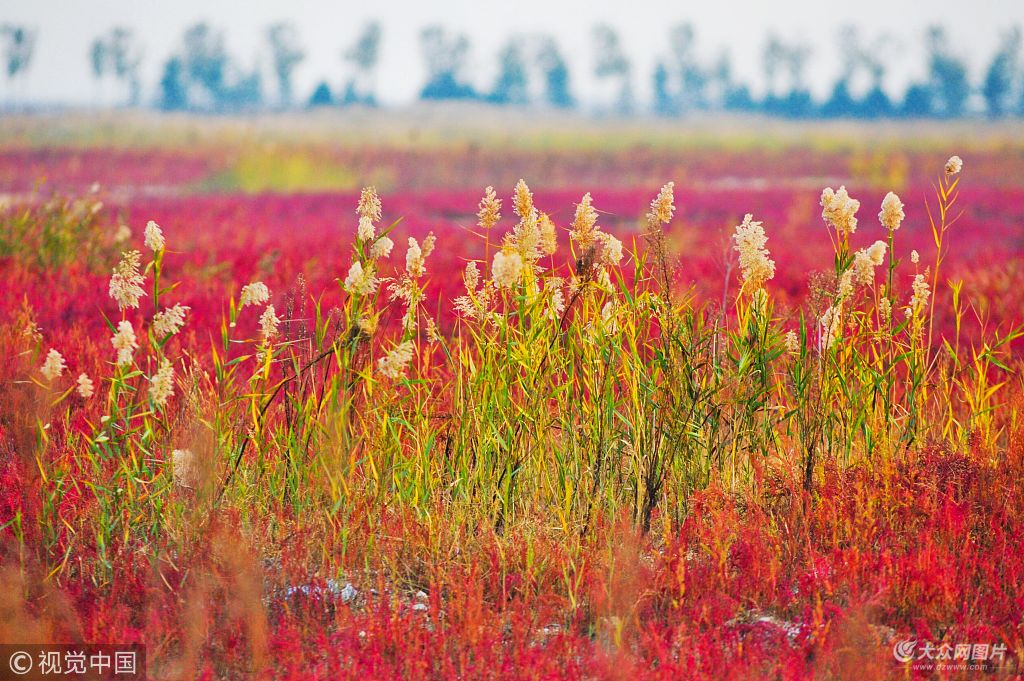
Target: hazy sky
[{"x": 60, "y": 71}]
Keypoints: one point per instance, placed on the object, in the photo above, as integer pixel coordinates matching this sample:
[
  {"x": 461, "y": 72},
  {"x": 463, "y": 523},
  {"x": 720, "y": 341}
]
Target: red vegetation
[{"x": 774, "y": 583}]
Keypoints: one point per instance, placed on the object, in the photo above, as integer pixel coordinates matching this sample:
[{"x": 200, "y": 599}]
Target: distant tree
[
  {"x": 321, "y": 96},
  {"x": 555, "y": 74},
  {"x": 205, "y": 62},
  {"x": 117, "y": 54},
  {"x": 98, "y": 59},
  {"x": 127, "y": 57},
  {"x": 876, "y": 103},
  {"x": 18, "y": 46},
  {"x": 664, "y": 102},
  {"x": 850, "y": 52},
  {"x": 446, "y": 58},
  {"x": 244, "y": 93},
  {"x": 781, "y": 58},
  {"x": 719, "y": 82},
  {"x": 286, "y": 54},
  {"x": 947, "y": 76},
  {"x": 799, "y": 102},
  {"x": 173, "y": 93},
  {"x": 875, "y": 59},
  {"x": 350, "y": 95},
  {"x": 738, "y": 98},
  {"x": 917, "y": 101},
  {"x": 613, "y": 64},
  {"x": 772, "y": 58},
  {"x": 512, "y": 82},
  {"x": 201, "y": 75},
  {"x": 683, "y": 82},
  {"x": 363, "y": 56},
  {"x": 1002, "y": 73},
  {"x": 841, "y": 103},
  {"x": 731, "y": 95},
  {"x": 693, "y": 79}
]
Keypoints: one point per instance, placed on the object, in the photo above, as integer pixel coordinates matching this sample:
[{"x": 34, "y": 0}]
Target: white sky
[{"x": 60, "y": 71}]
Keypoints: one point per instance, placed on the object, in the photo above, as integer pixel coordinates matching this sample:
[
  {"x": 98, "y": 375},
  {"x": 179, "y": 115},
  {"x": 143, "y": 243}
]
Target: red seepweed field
[{"x": 595, "y": 426}]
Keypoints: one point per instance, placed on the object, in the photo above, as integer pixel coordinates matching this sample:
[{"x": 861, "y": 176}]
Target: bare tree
[
  {"x": 773, "y": 57},
  {"x": 98, "y": 64},
  {"x": 512, "y": 83},
  {"x": 947, "y": 75},
  {"x": 446, "y": 56},
  {"x": 18, "y": 45},
  {"x": 1002, "y": 74},
  {"x": 789, "y": 59},
  {"x": 117, "y": 54},
  {"x": 554, "y": 72},
  {"x": 611, "y": 63},
  {"x": 286, "y": 54},
  {"x": 363, "y": 56}
]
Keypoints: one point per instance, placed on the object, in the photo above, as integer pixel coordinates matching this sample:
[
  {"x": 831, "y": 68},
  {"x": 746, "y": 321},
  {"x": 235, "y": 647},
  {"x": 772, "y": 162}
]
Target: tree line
[{"x": 201, "y": 75}]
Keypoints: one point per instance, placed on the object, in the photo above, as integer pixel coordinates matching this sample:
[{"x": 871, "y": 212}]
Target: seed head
[
  {"x": 750, "y": 240},
  {"x": 53, "y": 366},
  {"x": 831, "y": 326},
  {"x": 792, "y": 342},
  {"x": 169, "y": 321},
  {"x": 584, "y": 225},
  {"x": 465, "y": 307},
  {"x": 845, "y": 285},
  {"x": 863, "y": 271},
  {"x": 360, "y": 281},
  {"x": 428, "y": 245},
  {"x": 884, "y": 309},
  {"x": 471, "y": 276},
  {"x": 126, "y": 282},
  {"x": 490, "y": 209},
  {"x": 864, "y": 263},
  {"x": 954, "y": 165},
  {"x": 525, "y": 238},
  {"x": 506, "y": 269},
  {"x": 921, "y": 292},
  {"x": 85, "y": 386},
  {"x": 255, "y": 293},
  {"x": 154, "y": 237},
  {"x": 161, "y": 384},
  {"x": 394, "y": 364},
  {"x": 124, "y": 342},
  {"x": 368, "y": 325},
  {"x": 32, "y": 331},
  {"x": 381, "y": 248},
  {"x": 433, "y": 335},
  {"x": 369, "y": 205},
  {"x": 611, "y": 249},
  {"x": 548, "y": 234},
  {"x": 522, "y": 200},
  {"x": 269, "y": 323},
  {"x": 366, "y": 230},
  {"x": 662, "y": 207},
  {"x": 415, "y": 260},
  {"x": 876, "y": 252},
  {"x": 556, "y": 299},
  {"x": 839, "y": 210},
  {"x": 891, "y": 214}
]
